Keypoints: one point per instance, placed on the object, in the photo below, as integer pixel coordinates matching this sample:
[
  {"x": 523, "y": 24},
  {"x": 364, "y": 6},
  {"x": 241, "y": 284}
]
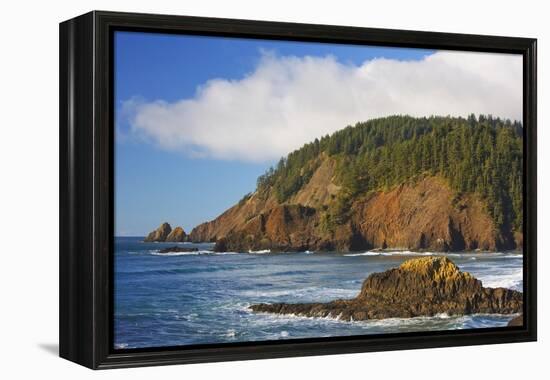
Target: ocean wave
[
  {"x": 504, "y": 278},
  {"x": 369, "y": 253},
  {"x": 293, "y": 273},
  {"x": 193, "y": 253},
  {"x": 391, "y": 253},
  {"x": 260, "y": 251},
  {"x": 503, "y": 255},
  {"x": 174, "y": 271},
  {"x": 157, "y": 253},
  {"x": 443, "y": 320},
  {"x": 312, "y": 293}
]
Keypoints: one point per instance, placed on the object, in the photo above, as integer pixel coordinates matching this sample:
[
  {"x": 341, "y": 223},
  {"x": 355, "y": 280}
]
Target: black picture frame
[{"x": 86, "y": 188}]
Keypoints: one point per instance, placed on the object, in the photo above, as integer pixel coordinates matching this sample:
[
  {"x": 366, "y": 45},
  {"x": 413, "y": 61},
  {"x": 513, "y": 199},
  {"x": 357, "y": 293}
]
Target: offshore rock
[
  {"x": 177, "y": 249},
  {"x": 418, "y": 287},
  {"x": 160, "y": 234},
  {"x": 177, "y": 235}
]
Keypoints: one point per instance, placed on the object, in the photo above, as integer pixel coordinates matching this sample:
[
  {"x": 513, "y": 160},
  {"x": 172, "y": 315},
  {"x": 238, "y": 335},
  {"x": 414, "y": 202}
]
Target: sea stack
[
  {"x": 418, "y": 287},
  {"x": 160, "y": 234},
  {"x": 177, "y": 235}
]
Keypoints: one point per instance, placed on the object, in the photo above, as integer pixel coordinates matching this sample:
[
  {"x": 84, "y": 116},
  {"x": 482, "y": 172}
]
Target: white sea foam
[
  {"x": 193, "y": 253},
  {"x": 503, "y": 278},
  {"x": 503, "y": 255},
  {"x": 390, "y": 253},
  {"x": 120, "y": 346},
  {"x": 312, "y": 293},
  {"x": 260, "y": 251},
  {"x": 443, "y": 320},
  {"x": 368, "y": 253}
]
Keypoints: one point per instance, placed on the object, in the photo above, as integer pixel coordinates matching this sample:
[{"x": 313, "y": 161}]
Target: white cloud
[{"x": 288, "y": 101}]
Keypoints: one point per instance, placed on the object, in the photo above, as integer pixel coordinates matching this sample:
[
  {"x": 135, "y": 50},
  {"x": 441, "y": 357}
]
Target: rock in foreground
[{"x": 419, "y": 287}]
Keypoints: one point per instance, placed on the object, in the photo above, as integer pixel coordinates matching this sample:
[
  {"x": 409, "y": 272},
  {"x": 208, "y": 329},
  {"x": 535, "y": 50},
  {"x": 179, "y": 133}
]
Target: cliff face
[
  {"x": 420, "y": 215},
  {"x": 427, "y": 215},
  {"x": 250, "y": 215},
  {"x": 419, "y": 287}
]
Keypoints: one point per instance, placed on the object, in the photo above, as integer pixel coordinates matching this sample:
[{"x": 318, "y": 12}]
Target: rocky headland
[
  {"x": 425, "y": 184},
  {"x": 418, "y": 287},
  {"x": 420, "y": 214}
]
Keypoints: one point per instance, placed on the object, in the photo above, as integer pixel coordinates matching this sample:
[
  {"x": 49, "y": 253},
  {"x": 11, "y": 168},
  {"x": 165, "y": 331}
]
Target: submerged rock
[
  {"x": 177, "y": 249},
  {"x": 418, "y": 287},
  {"x": 160, "y": 234}
]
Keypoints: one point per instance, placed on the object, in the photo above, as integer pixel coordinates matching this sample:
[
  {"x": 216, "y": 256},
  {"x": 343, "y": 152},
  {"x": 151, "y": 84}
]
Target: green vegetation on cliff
[{"x": 476, "y": 155}]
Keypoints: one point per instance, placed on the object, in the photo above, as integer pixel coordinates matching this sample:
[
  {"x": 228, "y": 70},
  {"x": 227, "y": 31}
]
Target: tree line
[{"x": 482, "y": 155}]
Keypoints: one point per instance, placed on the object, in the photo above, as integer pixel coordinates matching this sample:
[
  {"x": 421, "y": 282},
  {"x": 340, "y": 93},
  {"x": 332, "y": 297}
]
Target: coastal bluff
[
  {"x": 420, "y": 214},
  {"x": 424, "y": 286},
  {"x": 165, "y": 233}
]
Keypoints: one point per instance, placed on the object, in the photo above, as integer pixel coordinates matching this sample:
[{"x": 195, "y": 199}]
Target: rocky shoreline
[
  {"x": 449, "y": 222},
  {"x": 424, "y": 286}
]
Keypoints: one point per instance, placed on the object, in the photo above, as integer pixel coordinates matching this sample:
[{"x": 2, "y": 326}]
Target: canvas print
[{"x": 273, "y": 190}]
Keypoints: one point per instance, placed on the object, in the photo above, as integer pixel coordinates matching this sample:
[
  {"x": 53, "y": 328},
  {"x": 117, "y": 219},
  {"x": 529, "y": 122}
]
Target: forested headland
[{"x": 463, "y": 173}]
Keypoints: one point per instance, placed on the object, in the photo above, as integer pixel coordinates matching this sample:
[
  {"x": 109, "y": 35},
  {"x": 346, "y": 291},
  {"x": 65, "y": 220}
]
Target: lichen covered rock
[{"x": 418, "y": 287}]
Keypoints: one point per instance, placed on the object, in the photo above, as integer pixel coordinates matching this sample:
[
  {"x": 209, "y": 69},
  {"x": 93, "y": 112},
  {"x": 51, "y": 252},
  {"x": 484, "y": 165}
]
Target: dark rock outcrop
[
  {"x": 160, "y": 234},
  {"x": 177, "y": 235},
  {"x": 177, "y": 249},
  {"x": 517, "y": 321},
  {"x": 418, "y": 287}
]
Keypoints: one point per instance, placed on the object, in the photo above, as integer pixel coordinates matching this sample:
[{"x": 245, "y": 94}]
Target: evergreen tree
[{"x": 476, "y": 155}]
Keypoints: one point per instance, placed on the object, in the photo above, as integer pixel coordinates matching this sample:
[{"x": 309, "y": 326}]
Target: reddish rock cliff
[{"x": 422, "y": 214}]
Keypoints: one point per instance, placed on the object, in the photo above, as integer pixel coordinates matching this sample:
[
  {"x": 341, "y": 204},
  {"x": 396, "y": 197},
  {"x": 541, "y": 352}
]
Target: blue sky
[{"x": 167, "y": 166}]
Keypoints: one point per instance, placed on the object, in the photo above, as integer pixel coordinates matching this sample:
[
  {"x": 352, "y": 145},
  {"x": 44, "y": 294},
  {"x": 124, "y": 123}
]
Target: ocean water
[{"x": 203, "y": 297}]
